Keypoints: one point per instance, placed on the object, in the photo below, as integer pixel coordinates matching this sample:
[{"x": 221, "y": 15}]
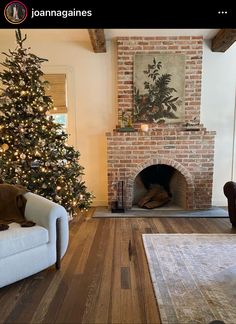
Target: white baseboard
[
  {"x": 97, "y": 203},
  {"x": 219, "y": 203}
]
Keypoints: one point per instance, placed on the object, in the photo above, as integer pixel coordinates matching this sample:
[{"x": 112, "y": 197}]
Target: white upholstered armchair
[{"x": 26, "y": 251}]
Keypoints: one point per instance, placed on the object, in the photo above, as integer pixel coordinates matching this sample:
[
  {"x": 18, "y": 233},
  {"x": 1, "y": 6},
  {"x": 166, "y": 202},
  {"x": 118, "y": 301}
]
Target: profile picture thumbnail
[{"x": 15, "y": 12}]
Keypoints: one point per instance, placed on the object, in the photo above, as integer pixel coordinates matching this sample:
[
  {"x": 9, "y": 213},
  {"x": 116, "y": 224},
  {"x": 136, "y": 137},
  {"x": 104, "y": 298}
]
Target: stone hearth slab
[{"x": 214, "y": 212}]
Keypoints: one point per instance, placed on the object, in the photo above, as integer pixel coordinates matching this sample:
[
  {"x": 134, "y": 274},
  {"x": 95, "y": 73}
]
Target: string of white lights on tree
[{"x": 33, "y": 148}]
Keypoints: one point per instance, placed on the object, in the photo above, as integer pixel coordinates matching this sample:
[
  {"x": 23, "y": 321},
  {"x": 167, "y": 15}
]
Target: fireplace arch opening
[{"x": 160, "y": 185}]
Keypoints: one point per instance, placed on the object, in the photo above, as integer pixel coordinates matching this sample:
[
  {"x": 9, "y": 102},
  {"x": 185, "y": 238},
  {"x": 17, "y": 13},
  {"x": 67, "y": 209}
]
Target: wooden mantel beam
[
  {"x": 223, "y": 40},
  {"x": 98, "y": 41}
]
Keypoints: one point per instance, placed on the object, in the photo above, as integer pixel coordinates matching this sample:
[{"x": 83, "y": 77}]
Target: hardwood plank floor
[{"x": 104, "y": 276}]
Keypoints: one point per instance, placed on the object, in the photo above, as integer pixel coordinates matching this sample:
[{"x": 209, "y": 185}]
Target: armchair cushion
[
  {"x": 26, "y": 251},
  {"x": 17, "y": 239}
]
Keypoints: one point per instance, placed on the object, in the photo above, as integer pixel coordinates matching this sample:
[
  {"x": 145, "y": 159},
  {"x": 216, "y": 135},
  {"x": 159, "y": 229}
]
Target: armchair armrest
[
  {"x": 230, "y": 193},
  {"x": 47, "y": 214}
]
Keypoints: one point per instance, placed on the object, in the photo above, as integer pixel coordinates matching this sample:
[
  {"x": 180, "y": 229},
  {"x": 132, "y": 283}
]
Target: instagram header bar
[{"x": 40, "y": 14}]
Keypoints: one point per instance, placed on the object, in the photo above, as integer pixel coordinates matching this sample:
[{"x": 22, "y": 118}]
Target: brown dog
[{"x": 12, "y": 206}]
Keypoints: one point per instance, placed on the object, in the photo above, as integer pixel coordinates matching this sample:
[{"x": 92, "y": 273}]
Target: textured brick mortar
[
  {"x": 189, "y": 152},
  {"x": 190, "y": 46}
]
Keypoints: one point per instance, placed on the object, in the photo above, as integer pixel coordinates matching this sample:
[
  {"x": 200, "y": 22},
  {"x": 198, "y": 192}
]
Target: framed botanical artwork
[{"x": 159, "y": 82}]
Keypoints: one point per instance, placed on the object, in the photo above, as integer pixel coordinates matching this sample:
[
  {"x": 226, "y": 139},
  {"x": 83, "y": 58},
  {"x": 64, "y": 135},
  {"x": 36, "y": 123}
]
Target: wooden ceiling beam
[
  {"x": 97, "y": 38},
  {"x": 223, "y": 40}
]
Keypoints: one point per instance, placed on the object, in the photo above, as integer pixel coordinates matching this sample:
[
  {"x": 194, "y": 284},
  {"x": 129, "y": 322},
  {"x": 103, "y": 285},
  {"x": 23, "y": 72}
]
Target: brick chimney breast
[{"x": 189, "y": 151}]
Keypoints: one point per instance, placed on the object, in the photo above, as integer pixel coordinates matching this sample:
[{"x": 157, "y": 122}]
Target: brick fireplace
[{"x": 189, "y": 152}]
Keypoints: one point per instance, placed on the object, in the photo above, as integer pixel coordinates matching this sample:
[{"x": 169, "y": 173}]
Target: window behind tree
[{"x": 57, "y": 90}]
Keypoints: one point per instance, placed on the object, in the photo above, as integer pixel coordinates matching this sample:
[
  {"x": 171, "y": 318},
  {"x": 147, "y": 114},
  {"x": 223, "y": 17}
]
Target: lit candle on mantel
[{"x": 144, "y": 127}]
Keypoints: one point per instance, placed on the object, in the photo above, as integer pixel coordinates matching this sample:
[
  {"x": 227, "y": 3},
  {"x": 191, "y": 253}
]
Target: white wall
[
  {"x": 218, "y": 113},
  {"x": 92, "y": 98}
]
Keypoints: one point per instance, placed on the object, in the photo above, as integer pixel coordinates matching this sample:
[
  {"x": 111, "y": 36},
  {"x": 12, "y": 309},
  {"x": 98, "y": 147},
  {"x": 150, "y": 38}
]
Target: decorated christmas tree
[{"x": 33, "y": 148}]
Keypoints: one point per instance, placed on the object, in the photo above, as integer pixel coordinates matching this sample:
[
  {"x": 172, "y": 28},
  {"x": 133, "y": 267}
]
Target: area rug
[
  {"x": 194, "y": 276},
  {"x": 215, "y": 212}
]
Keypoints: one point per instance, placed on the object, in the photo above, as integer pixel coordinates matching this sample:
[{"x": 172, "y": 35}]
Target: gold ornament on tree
[
  {"x": 5, "y": 147},
  {"x": 23, "y": 93}
]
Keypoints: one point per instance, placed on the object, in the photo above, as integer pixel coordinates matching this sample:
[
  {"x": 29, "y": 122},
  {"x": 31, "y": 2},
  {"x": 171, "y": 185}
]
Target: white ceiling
[
  {"x": 70, "y": 35},
  {"x": 81, "y": 35},
  {"x": 206, "y": 33}
]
